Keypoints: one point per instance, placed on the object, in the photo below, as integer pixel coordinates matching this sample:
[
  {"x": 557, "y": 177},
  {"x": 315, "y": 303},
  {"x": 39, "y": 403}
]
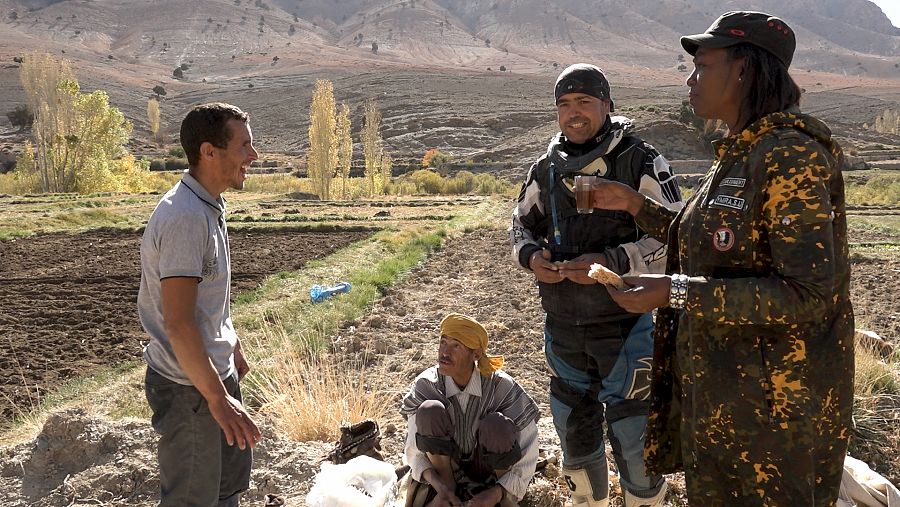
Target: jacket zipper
[{"x": 766, "y": 382}]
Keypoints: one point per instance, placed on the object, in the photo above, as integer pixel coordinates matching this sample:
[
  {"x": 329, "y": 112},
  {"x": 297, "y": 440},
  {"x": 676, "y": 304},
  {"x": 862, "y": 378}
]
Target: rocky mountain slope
[{"x": 471, "y": 77}]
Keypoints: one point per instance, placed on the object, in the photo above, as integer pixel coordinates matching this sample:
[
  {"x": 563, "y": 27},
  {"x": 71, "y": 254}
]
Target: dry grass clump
[
  {"x": 876, "y": 411},
  {"x": 309, "y": 392}
]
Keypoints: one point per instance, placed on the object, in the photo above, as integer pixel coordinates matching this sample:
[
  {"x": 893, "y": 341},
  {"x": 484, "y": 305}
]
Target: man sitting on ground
[{"x": 471, "y": 437}]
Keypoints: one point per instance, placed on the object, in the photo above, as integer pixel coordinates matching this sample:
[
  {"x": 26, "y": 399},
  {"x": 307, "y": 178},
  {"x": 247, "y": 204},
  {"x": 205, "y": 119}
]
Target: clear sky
[{"x": 891, "y": 8}]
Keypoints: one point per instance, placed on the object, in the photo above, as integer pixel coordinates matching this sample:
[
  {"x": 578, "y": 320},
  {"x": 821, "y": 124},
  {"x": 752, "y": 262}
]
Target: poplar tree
[
  {"x": 153, "y": 116},
  {"x": 386, "y": 166},
  {"x": 373, "y": 148},
  {"x": 344, "y": 149},
  {"x": 322, "y": 157}
]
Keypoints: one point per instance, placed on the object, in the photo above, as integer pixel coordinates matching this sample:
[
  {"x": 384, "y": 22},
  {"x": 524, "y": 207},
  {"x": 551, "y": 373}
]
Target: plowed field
[{"x": 68, "y": 302}]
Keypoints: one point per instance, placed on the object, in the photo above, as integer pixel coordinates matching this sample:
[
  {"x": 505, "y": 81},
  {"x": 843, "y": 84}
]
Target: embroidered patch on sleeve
[
  {"x": 723, "y": 239},
  {"x": 734, "y": 182},
  {"x": 728, "y": 201}
]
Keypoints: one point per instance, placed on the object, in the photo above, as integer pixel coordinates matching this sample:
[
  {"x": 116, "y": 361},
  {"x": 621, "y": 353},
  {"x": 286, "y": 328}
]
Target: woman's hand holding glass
[{"x": 612, "y": 195}]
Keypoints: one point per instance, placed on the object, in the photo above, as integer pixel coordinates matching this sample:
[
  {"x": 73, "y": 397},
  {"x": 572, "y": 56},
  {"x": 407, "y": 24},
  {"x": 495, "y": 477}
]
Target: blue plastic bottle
[{"x": 319, "y": 293}]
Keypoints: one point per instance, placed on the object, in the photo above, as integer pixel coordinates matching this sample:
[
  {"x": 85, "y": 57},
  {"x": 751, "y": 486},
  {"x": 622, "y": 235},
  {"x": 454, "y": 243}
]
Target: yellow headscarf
[{"x": 473, "y": 335}]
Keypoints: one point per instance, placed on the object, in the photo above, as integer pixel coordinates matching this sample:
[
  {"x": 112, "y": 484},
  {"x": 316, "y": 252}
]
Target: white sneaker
[{"x": 654, "y": 501}]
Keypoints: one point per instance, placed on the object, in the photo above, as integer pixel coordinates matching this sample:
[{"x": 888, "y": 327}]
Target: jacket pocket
[{"x": 784, "y": 376}]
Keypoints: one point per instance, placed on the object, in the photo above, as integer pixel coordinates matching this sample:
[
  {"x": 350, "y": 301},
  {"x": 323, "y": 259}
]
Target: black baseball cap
[
  {"x": 583, "y": 78},
  {"x": 758, "y": 28}
]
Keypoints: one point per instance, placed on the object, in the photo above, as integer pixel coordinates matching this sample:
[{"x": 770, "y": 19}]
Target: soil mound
[{"x": 78, "y": 459}]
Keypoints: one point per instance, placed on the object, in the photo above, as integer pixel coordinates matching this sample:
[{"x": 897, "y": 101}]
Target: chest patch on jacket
[
  {"x": 723, "y": 239},
  {"x": 734, "y": 182},
  {"x": 729, "y": 201}
]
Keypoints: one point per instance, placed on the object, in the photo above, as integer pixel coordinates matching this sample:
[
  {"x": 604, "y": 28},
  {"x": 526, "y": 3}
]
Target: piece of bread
[{"x": 603, "y": 275}]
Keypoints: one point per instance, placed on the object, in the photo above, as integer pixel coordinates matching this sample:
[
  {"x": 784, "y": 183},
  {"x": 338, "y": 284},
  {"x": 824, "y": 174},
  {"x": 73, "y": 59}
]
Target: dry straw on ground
[{"x": 311, "y": 393}]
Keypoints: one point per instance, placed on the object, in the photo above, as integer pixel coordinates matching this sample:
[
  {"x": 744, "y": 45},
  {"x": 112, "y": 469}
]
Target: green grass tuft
[
  {"x": 91, "y": 218},
  {"x": 7, "y": 233}
]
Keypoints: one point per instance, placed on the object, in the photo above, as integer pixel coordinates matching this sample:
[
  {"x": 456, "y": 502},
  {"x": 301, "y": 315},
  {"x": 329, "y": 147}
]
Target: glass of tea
[{"x": 583, "y": 186}]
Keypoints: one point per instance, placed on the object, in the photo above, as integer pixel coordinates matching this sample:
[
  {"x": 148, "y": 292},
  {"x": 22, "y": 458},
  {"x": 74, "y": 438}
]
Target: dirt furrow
[{"x": 68, "y": 302}]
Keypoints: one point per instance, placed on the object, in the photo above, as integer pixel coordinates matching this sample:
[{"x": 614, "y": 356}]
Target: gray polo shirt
[{"x": 186, "y": 236}]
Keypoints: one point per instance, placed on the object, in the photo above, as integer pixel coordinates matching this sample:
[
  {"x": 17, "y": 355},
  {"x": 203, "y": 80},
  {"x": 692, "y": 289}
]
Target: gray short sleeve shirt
[{"x": 186, "y": 236}]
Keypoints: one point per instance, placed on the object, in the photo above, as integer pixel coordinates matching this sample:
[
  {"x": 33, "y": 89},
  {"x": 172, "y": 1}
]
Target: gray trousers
[
  {"x": 197, "y": 467},
  {"x": 497, "y": 446}
]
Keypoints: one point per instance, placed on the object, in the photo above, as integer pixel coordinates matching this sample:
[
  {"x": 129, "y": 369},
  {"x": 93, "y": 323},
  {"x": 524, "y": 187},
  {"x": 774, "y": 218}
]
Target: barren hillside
[{"x": 470, "y": 77}]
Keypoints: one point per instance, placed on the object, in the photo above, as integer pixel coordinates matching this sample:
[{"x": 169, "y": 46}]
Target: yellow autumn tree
[
  {"x": 78, "y": 137},
  {"x": 434, "y": 159},
  {"x": 373, "y": 148},
  {"x": 386, "y": 166},
  {"x": 344, "y": 149},
  {"x": 322, "y": 157},
  {"x": 153, "y": 117}
]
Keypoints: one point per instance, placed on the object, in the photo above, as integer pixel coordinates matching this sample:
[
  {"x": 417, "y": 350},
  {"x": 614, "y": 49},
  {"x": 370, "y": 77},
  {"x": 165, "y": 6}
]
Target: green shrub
[
  {"x": 686, "y": 115},
  {"x": 21, "y": 117},
  {"x": 176, "y": 164},
  {"x": 462, "y": 183},
  {"x": 424, "y": 181},
  {"x": 878, "y": 190},
  {"x": 488, "y": 184}
]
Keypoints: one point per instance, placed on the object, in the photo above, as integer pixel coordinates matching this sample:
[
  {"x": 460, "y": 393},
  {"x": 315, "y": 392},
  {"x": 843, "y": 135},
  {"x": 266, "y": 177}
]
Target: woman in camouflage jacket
[{"x": 752, "y": 386}]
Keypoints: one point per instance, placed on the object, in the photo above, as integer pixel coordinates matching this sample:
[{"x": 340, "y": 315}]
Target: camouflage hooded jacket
[{"x": 755, "y": 374}]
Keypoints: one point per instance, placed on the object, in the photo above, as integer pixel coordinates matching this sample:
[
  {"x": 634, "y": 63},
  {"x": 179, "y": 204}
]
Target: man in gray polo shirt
[{"x": 194, "y": 357}]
